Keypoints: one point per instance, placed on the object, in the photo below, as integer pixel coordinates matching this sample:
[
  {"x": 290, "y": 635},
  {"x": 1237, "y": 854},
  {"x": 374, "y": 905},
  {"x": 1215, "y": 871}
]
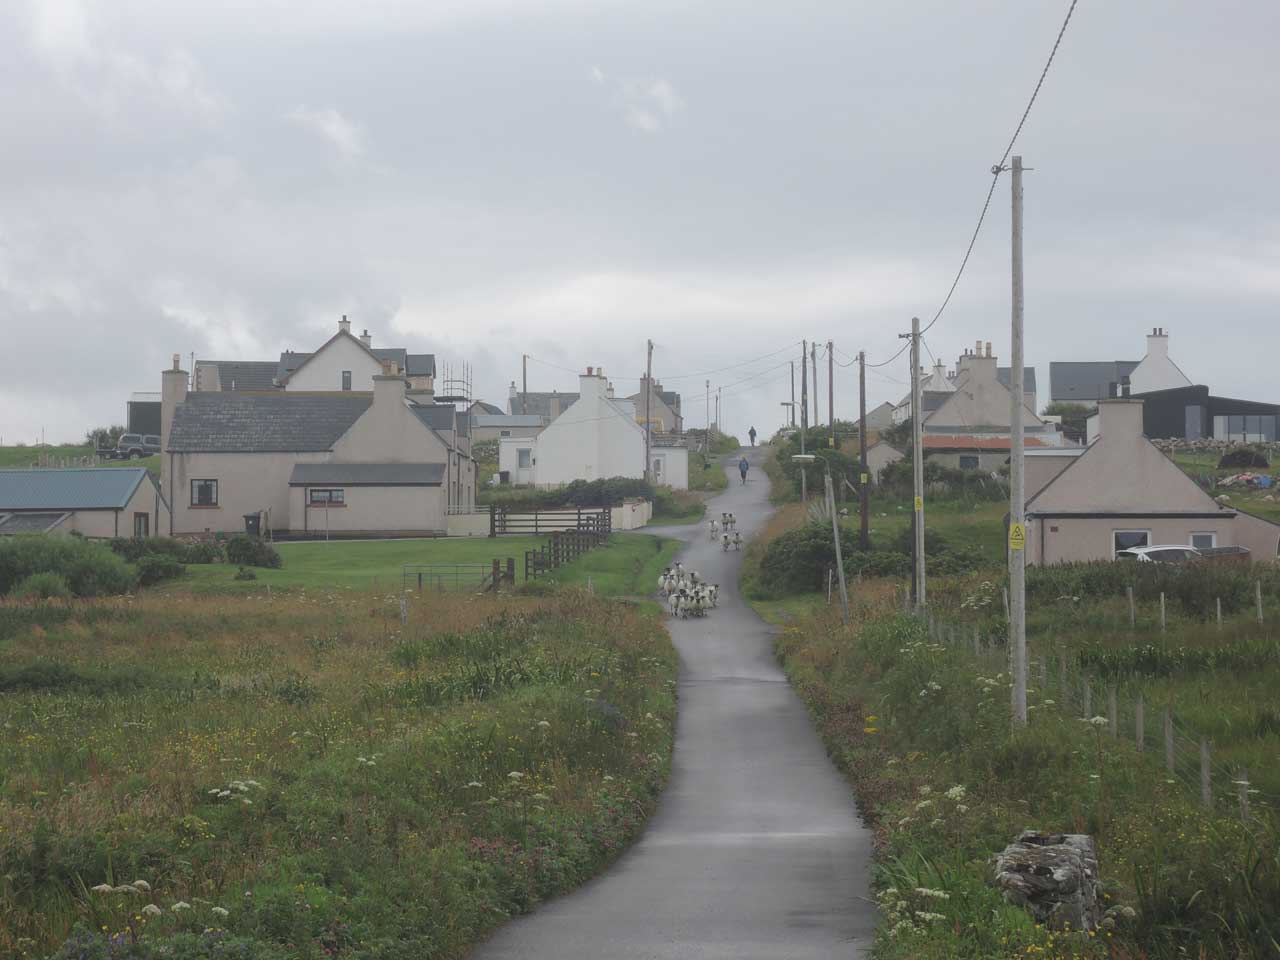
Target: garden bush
[
  {"x": 154, "y": 568},
  {"x": 797, "y": 561},
  {"x": 43, "y": 586},
  {"x": 1244, "y": 458},
  {"x": 250, "y": 551},
  {"x": 89, "y": 568},
  {"x": 134, "y": 549}
]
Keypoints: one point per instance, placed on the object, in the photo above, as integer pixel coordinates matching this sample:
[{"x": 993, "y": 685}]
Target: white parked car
[{"x": 1167, "y": 553}]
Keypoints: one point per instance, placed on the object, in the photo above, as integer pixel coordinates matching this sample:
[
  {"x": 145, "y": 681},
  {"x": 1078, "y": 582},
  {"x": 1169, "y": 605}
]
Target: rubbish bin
[{"x": 252, "y": 524}]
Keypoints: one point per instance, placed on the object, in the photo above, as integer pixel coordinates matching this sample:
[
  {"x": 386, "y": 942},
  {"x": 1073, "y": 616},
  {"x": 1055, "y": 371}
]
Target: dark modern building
[
  {"x": 142, "y": 414},
  {"x": 1191, "y": 413}
]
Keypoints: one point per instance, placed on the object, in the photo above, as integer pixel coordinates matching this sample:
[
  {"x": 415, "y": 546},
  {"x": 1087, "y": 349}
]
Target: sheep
[
  {"x": 662, "y": 581},
  {"x": 673, "y": 604},
  {"x": 737, "y": 540},
  {"x": 713, "y": 592},
  {"x": 712, "y": 526},
  {"x": 725, "y": 541}
]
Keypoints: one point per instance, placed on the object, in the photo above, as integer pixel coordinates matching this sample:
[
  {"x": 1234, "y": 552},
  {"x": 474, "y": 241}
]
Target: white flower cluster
[
  {"x": 904, "y": 919},
  {"x": 236, "y": 790},
  {"x": 368, "y": 761},
  {"x": 931, "y": 687},
  {"x": 955, "y": 793}
]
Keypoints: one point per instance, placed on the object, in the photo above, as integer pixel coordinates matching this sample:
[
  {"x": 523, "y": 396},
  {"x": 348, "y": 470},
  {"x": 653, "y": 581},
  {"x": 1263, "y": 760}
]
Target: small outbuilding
[{"x": 98, "y": 502}]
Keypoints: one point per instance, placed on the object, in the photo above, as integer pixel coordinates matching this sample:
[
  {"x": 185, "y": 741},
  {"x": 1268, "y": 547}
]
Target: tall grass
[{"x": 312, "y": 777}]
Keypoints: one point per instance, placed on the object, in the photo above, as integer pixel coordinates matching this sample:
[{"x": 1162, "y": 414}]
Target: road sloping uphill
[{"x": 755, "y": 851}]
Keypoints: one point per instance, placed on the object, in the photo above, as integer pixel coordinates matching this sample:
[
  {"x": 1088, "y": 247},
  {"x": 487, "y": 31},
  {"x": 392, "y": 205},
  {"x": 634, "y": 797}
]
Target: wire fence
[{"x": 1129, "y": 709}]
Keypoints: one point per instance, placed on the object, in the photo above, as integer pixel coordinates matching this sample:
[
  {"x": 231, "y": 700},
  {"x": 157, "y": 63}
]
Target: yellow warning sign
[
  {"x": 919, "y": 504},
  {"x": 1017, "y": 536},
  {"x": 864, "y": 479}
]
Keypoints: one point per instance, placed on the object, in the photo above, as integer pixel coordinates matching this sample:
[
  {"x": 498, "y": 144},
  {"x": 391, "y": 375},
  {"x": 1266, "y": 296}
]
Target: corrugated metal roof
[
  {"x": 368, "y": 474},
  {"x": 236, "y": 423},
  {"x": 84, "y": 488}
]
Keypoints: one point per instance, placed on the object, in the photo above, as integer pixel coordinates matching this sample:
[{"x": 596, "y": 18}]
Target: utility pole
[
  {"x": 1017, "y": 488},
  {"x": 707, "y": 443},
  {"x": 864, "y": 529},
  {"x": 718, "y": 430},
  {"x": 648, "y": 394},
  {"x": 804, "y": 413},
  {"x": 831, "y": 394},
  {"x": 524, "y": 383},
  {"x": 917, "y": 467},
  {"x": 813, "y": 356},
  {"x": 835, "y": 533}
]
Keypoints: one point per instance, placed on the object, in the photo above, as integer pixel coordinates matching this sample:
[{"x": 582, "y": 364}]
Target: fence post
[
  {"x": 419, "y": 581},
  {"x": 511, "y": 572},
  {"x": 493, "y": 519},
  {"x": 1088, "y": 699},
  {"x": 497, "y": 573},
  {"x": 1139, "y": 724},
  {"x": 1168, "y": 740},
  {"x": 1206, "y": 784},
  {"x": 1112, "y": 721},
  {"x": 1219, "y": 602},
  {"x": 828, "y": 586},
  {"x": 1257, "y": 584},
  {"x": 1242, "y": 789},
  {"x": 1162, "y": 621},
  {"x": 1133, "y": 613},
  {"x": 1005, "y": 593}
]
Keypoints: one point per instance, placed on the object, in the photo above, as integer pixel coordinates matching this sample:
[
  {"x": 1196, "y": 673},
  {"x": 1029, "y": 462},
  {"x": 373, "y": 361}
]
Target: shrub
[
  {"x": 1244, "y": 458},
  {"x": 581, "y": 493},
  {"x": 252, "y": 552},
  {"x": 202, "y": 551},
  {"x": 134, "y": 549},
  {"x": 90, "y": 569},
  {"x": 797, "y": 561},
  {"x": 154, "y": 568},
  {"x": 43, "y": 586},
  {"x": 244, "y": 573}
]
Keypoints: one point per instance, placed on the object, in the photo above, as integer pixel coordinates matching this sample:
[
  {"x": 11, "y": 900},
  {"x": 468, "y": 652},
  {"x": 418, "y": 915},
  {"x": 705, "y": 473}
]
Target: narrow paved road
[{"x": 755, "y": 851}]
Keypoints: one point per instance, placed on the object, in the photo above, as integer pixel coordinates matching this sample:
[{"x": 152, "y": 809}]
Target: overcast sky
[{"x": 485, "y": 178}]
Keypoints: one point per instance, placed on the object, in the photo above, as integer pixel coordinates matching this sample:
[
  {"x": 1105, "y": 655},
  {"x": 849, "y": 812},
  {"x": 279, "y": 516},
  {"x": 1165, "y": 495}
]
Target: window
[
  {"x": 326, "y": 498},
  {"x": 141, "y": 525},
  {"x": 346, "y": 379},
  {"x": 968, "y": 461},
  {"x": 204, "y": 493},
  {"x": 524, "y": 458},
  {"x": 1127, "y": 539},
  {"x": 1204, "y": 541},
  {"x": 504, "y": 433},
  {"x": 657, "y": 468}
]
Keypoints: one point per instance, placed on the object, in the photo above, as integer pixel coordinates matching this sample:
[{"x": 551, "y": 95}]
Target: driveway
[{"x": 755, "y": 851}]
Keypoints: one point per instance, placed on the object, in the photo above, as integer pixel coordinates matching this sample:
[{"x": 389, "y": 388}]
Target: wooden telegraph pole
[
  {"x": 648, "y": 426},
  {"x": 804, "y": 413},
  {"x": 1017, "y": 499},
  {"x": 831, "y": 395},
  {"x": 813, "y": 357},
  {"x": 524, "y": 383},
  {"x": 917, "y": 455},
  {"x": 864, "y": 479}
]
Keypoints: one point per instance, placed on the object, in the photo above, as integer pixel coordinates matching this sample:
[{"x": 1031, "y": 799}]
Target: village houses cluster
[{"x": 357, "y": 439}]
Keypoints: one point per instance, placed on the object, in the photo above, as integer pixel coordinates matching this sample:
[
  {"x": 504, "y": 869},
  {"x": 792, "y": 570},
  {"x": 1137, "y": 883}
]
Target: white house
[
  {"x": 670, "y": 461},
  {"x": 596, "y": 437},
  {"x": 1156, "y": 371}
]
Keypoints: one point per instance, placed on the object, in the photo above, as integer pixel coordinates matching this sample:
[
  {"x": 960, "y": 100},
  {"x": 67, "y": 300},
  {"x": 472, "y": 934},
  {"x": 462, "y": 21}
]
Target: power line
[{"x": 1000, "y": 167}]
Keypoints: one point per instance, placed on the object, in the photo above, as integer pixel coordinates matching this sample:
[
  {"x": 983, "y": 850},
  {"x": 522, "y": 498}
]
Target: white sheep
[
  {"x": 737, "y": 540},
  {"x": 713, "y": 527}
]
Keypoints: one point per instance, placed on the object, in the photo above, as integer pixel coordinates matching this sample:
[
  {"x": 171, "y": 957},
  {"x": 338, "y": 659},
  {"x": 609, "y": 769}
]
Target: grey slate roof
[
  {"x": 236, "y": 423},
  {"x": 437, "y": 416},
  {"x": 1087, "y": 381},
  {"x": 86, "y": 488},
  {"x": 540, "y": 403},
  {"x": 486, "y": 409},
  {"x": 413, "y": 364},
  {"x": 1005, "y": 376},
  {"x": 368, "y": 474},
  {"x": 242, "y": 375},
  {"x": 15, "y": 523},
  {"x": 419, "y": 364}
]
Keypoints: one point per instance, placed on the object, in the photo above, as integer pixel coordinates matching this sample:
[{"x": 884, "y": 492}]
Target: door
[{"x": 141, "y": 525}]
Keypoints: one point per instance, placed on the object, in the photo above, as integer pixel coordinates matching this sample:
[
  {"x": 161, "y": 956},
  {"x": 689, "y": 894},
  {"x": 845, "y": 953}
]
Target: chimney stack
[
  {"x": 366, "y": 339},
  {"x": 590, "y": 370},
  {"x": 344, "y": 325},
  {"x": 988, "y": 348}
]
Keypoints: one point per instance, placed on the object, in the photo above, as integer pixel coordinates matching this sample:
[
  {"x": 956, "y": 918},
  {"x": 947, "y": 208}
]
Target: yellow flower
[{"x": 868, "y": 729}]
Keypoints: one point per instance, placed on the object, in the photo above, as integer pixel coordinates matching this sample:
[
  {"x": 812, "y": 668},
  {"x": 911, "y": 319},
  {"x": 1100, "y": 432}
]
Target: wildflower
[
  {"x": 904, "y": 821},
  {"x": 220, "y": 911},
  {"x": 872, "y": 719},
  {"x": 934, "y": 894},
  {"x": 125, "y": 889},
  {"x": 925, "y": 790},
  {"x": 607, "y": 777},
  {"x": 180, "y": 906},
  {"x": 475, "y": 783},
  {"x": 936, "y": 822},
  {"x": 142, "y": 885},
  {"x": 544, "y": 723},
  {"x": 151, "y": 910},
  {"x": 955, "y": 793},
  {"x": 1048, "y": 703},
  {"x": 868, "y": 729},
  {"x": 515, "y": 775},
  {"x": 961, "y": 808},
  {"x": 540, "y": 796},
  {"x": 103, "y": 888},
  {"x": 1098, "y": 721},
  {"x": 924, "y": 804}
]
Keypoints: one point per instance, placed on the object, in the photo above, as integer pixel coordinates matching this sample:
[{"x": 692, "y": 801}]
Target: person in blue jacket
[{"x": 743, "y": 467}]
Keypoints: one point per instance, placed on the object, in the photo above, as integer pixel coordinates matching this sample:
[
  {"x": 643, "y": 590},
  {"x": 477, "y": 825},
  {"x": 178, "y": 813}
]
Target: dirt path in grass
[{"x": 755, "y": 851}]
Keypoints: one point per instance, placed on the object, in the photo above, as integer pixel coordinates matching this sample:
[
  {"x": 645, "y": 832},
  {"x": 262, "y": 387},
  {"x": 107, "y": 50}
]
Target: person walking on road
[
  {"x": 743, "y": 467},
  {"x": 752, "y": 434}
]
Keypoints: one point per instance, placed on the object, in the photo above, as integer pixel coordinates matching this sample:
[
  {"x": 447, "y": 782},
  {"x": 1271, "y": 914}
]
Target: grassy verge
[
  {"x": 678, "y": 506},
  {"x": 706, "y": 473},
  {"x": 628, "y": 567},
  {"x": 307, "y": 777},
  {"x": 55, "y": 454}
]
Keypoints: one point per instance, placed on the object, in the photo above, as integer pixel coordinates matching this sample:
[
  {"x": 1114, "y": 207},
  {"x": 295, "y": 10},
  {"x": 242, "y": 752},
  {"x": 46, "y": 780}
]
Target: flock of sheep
[
  {"x": 722, "y": 527},
  {"x": 688, "y": 595}
]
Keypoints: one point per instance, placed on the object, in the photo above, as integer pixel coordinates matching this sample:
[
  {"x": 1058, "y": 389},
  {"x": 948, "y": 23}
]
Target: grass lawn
[
  {"x": 54, "y": 454},
  {"x": 1199, "y": 465},
  {"x": 303, "y": 777},
  {"x": 621, "y": 568}
]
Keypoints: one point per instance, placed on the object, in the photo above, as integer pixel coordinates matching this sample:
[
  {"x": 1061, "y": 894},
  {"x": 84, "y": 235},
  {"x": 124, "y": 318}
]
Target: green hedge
[
  {"x": 1194, "y": 587},
  {"x": 89, "y": 569},
  {"x": 250, "y": 551}
]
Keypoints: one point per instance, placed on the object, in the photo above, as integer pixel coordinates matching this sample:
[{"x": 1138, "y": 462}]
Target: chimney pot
[
  {"x": 344, "y": 325},
  {"x": 590, "y": 370},
  {"x": 988, "y": 348},
  {"x": 177, "y": 362}
]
